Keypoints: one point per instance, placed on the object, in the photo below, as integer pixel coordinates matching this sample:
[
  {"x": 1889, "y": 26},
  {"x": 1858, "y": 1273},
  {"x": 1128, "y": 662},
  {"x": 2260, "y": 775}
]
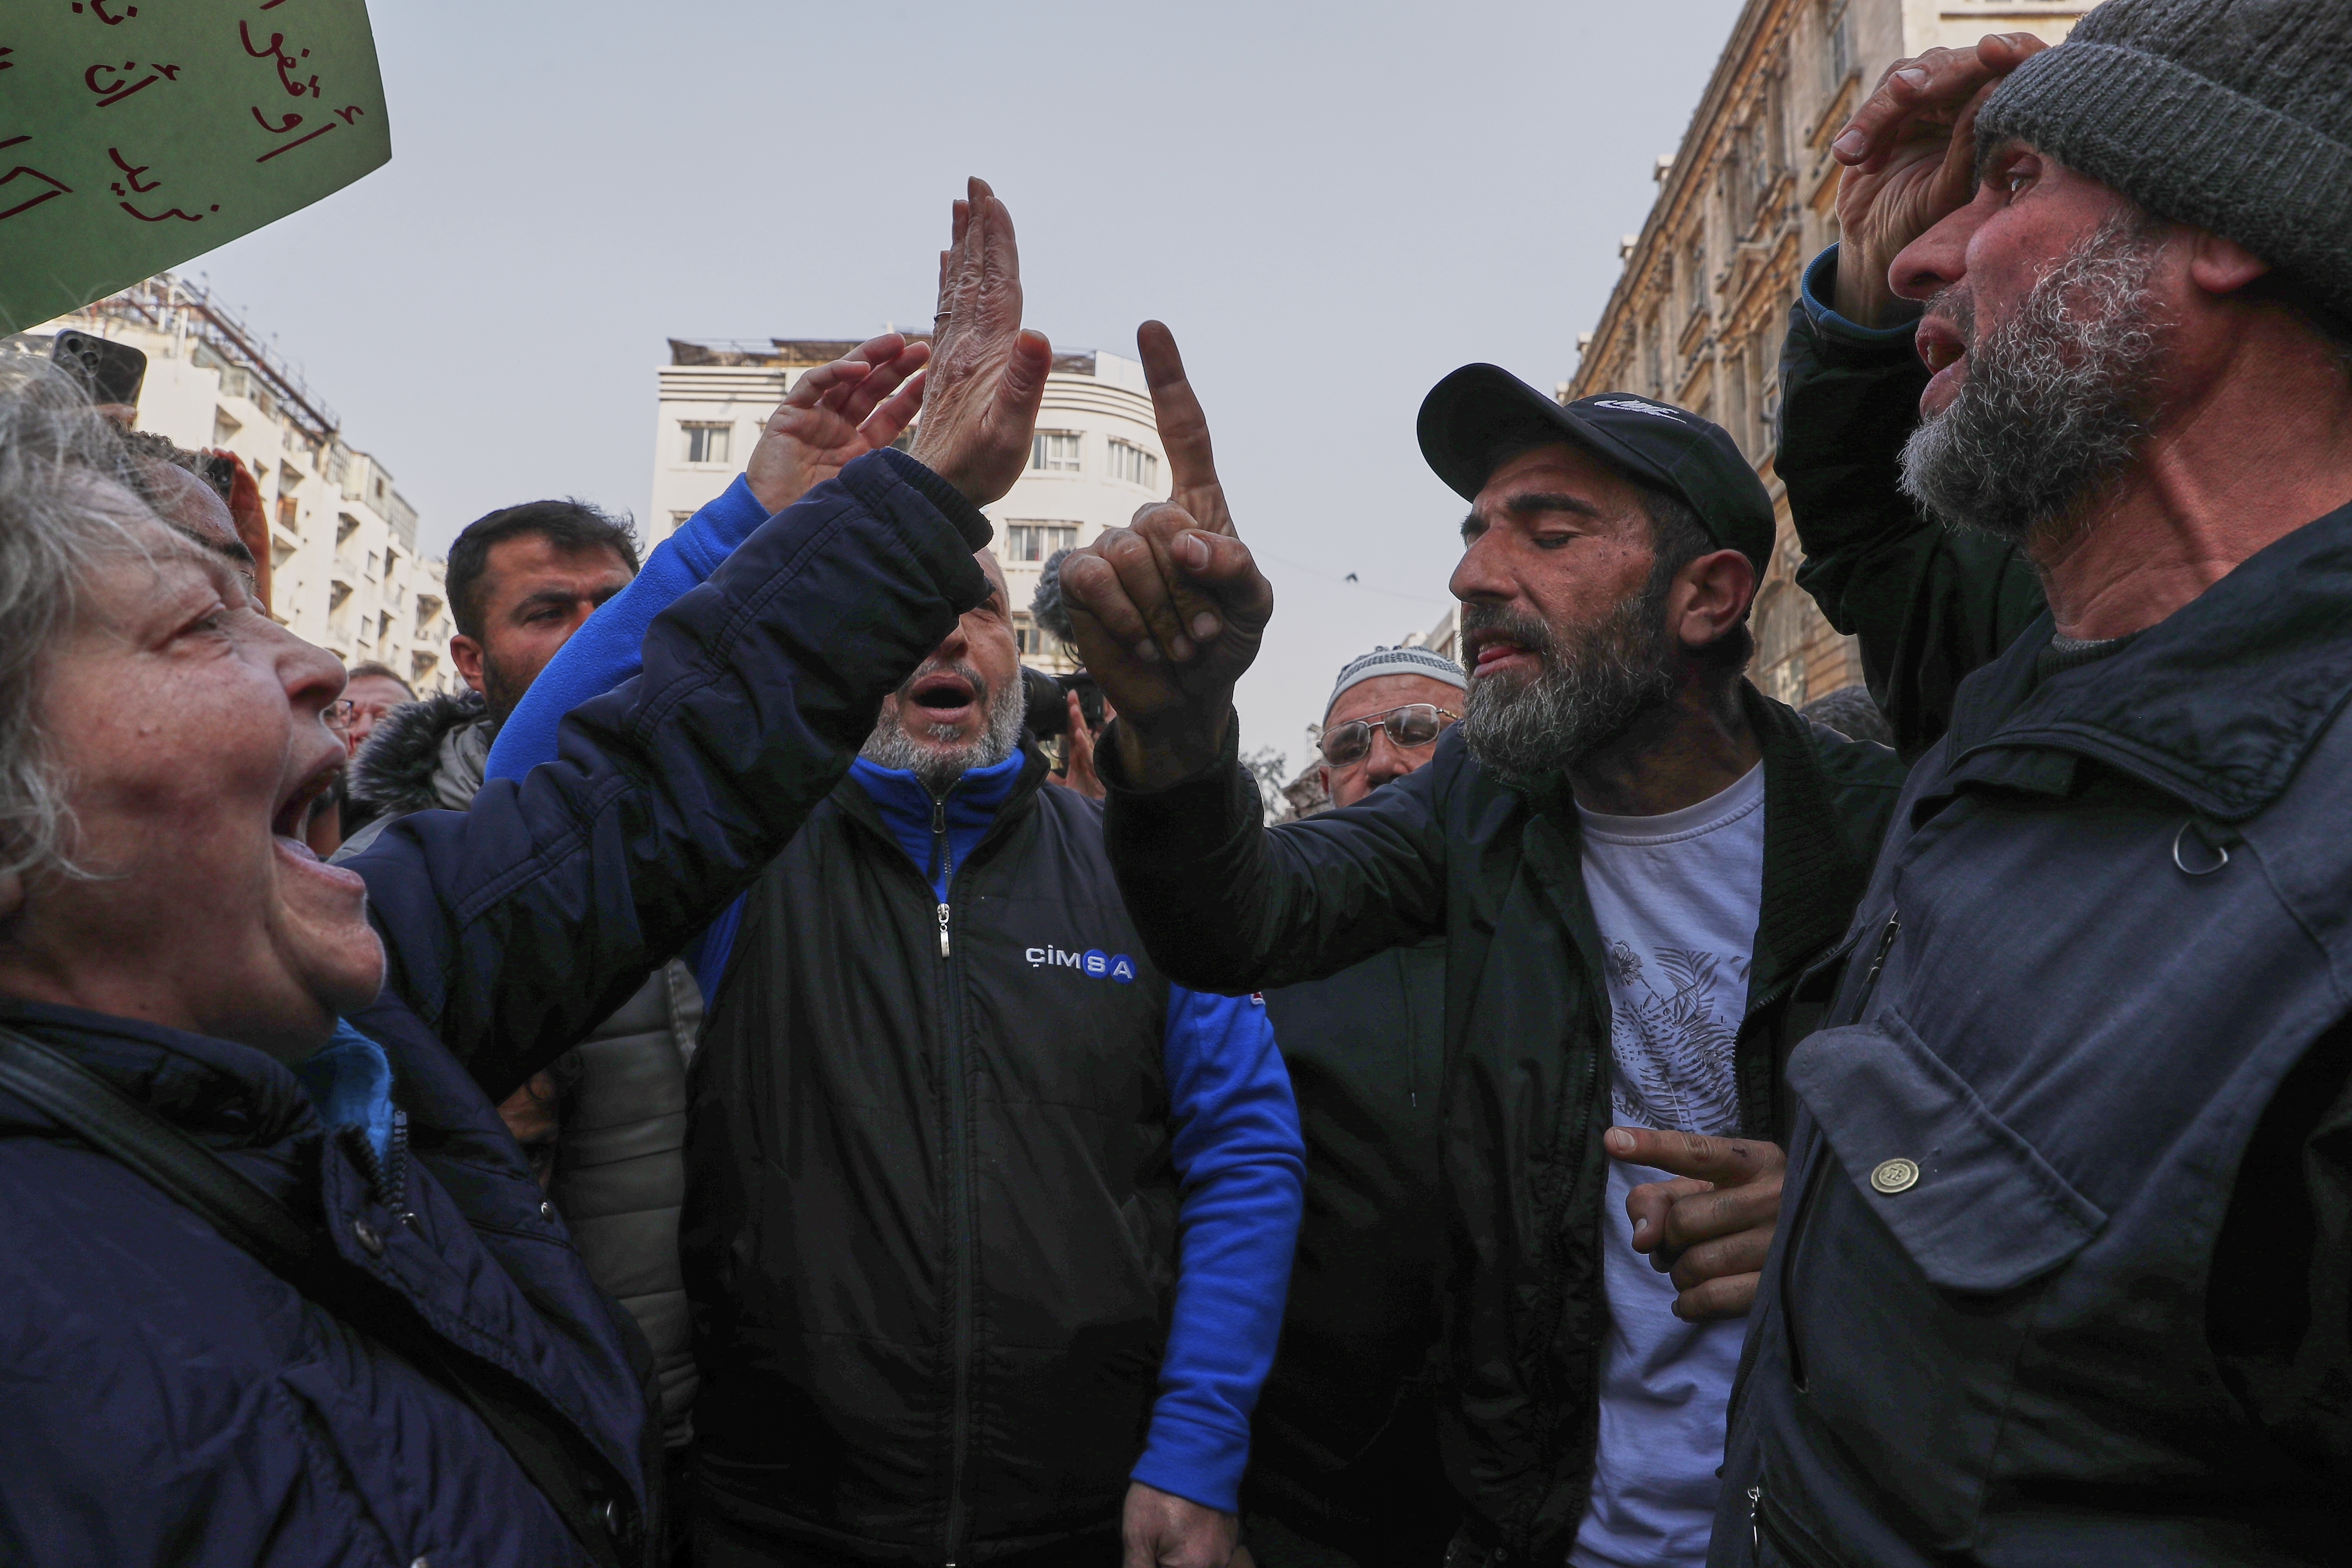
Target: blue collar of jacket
[
  {"x": 2216, "y": 705},
  {"x": 209, "y": 1085},
  {"x": 916, "y": 819}
]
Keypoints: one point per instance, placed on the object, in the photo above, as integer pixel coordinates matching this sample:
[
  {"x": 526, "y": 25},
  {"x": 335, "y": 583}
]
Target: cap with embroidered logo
[{"x": 1482, "y": 414}]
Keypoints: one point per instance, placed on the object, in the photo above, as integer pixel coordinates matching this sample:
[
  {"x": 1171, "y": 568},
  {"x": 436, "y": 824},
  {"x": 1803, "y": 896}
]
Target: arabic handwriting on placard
[
  {"x": 123, "y": 86},
  {"x": 292, "y": 119},
  {"x": 167, "y": 211},
  {"x": 276, "y": 50},
  {"x": 132, "y": 174},
  {"x": 98, "y": 9},
  {"x": 290, "y": 146},
  {"x": 57, "y": 187}
]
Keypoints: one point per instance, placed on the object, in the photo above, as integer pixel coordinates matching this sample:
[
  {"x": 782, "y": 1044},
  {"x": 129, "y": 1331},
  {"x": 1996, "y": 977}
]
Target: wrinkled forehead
[
  {"x": 1557, "y": 476},
  {"x": 152, "y": 544}
]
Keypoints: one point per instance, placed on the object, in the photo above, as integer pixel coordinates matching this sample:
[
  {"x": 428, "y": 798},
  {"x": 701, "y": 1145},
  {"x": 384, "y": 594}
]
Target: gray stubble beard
[
  {"x": 1527, "y": 730},
  {"x": 2058, "y": 400},
  {"x": 940, "y": 766}
]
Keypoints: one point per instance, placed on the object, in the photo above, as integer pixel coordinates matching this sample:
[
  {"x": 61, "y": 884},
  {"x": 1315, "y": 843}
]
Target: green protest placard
[{"x": 137, "y": 133}]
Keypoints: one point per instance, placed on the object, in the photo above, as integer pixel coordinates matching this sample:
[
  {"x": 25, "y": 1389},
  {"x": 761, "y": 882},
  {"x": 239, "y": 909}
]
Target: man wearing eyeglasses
[
  {"x": 1635, "y": 860},
  {"x": 1344, "y": 1464}
]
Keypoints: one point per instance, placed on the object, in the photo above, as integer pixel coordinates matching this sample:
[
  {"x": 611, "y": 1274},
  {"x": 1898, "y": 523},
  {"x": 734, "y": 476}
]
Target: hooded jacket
[
  {"x": 620, "y": 1173},
  {"x": 1449, "y": 851},
  {"x": 169, "y": 1400}
]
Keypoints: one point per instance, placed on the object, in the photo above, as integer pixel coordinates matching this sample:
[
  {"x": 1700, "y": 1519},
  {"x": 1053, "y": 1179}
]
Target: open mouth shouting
[
  {"x": 285, "y": 825},
  {"x": 945, "y": 696},
  {"x": 1945, "y": 352}
]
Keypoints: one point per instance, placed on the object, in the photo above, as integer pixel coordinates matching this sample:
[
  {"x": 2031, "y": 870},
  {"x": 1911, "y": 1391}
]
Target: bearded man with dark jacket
[
  {"x": 2066, "y": 1279},
  {"x": 1635, "y": 859}
]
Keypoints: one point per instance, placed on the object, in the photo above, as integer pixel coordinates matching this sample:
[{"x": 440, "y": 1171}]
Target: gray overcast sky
[{"x": 1331, "y": 205}]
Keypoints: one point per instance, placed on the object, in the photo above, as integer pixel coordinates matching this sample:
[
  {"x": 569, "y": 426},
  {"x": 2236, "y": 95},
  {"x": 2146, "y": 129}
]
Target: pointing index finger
[
  {"x": 1183, "y": 430},
  {"x": 1726, "y": 1162}
]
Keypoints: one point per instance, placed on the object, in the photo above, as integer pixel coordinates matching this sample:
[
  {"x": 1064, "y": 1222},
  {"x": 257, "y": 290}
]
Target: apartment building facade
[
  {"x": 1096, "y": 457},
  {"x": 346, "y": 569}
]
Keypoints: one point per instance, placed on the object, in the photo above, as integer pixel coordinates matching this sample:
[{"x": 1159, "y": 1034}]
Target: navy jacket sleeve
[
  {"x": 1928, "y": 603},
  {"x": 1226, "y": 904},
  {"x": 513, "y": 927}
]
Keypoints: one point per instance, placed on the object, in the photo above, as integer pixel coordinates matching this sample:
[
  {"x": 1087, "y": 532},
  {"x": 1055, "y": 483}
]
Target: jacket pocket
[{"x": 1971, "y": 1202}]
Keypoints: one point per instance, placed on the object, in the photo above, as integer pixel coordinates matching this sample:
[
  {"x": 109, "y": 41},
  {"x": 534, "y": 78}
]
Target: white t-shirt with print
[{"x": 1676, "y": 898}]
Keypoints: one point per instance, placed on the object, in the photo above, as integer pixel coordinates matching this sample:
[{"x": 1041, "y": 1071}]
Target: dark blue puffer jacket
[{"x": 163, "y": 1398}]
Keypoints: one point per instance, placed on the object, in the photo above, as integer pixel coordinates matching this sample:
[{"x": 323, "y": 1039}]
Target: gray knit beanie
[{"x": 2232, "y": 115}]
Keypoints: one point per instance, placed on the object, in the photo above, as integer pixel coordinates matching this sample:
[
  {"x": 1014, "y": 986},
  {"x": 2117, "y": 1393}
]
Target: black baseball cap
[{"x": 1482, "y": 414}]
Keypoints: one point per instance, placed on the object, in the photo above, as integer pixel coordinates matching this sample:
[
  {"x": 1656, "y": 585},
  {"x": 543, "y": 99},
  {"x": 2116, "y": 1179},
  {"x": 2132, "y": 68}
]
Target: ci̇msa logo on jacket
[{"x": 1093, "y": 964}]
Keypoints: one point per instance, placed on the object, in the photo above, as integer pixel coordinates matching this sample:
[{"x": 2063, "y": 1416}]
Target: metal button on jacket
[
  {"x": 366, "y": 1236},
  {"x": 1893, "y": 1176},
  {"x": 547, "y": 1211}
]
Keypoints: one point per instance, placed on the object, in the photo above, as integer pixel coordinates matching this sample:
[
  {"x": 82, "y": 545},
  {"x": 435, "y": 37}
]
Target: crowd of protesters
[{"x": 730, "y": 1089}]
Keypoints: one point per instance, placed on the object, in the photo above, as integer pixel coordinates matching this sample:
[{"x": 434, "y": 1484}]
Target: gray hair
[{"x": 53, "y": 449}]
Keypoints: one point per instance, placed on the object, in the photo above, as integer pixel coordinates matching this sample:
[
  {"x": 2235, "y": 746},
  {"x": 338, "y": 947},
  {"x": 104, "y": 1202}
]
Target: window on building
[
  {"x": 1837, "y": 26},
  {"x": 1054, "y": 452},
  {"x": 1654, "y": 356},
  {"x": 286, "y": 514},
  {"x": 707, "y": 442},
  {"x": 370, "y": 566},
  {"x": 678, "y": 520},
  {"x": 1695, "y": 268},
  {"x": 1031, "y": 638},
  {"x": 1036, "y": 540},
  {"x": 225, "y": 428},
  {"x": 1133, "y": 464}
]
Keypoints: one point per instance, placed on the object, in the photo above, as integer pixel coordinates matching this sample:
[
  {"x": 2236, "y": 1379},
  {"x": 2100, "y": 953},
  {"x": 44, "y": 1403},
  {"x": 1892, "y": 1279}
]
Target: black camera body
[{"x": 1047, "y": 710}]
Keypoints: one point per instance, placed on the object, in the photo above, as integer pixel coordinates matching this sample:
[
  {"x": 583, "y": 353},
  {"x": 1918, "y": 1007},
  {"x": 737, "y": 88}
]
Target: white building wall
[
  {"x": 1104, "y": 406},
  {"x": 345, "y": 572}
]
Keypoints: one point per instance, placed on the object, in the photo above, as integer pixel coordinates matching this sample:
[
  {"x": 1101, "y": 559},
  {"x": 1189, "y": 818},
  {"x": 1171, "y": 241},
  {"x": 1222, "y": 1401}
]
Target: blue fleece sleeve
[
  {"x": 1817, "y": 286},
  {"x": 1242, "y": 1169},
  {"x": 607, "y": 649}
]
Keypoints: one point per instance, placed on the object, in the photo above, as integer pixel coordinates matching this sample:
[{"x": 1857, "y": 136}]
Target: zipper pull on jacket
[{"x": 943, "y": 930}]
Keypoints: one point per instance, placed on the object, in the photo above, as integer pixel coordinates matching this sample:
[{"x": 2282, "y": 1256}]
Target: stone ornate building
[
  {"x": 1748, "y": 198},
  {"x": 1096, "y": 458}
]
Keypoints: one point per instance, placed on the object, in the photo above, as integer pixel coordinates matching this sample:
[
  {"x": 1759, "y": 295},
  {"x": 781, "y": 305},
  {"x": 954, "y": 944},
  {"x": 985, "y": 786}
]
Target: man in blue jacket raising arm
[{"x": 987, "y": 1225}]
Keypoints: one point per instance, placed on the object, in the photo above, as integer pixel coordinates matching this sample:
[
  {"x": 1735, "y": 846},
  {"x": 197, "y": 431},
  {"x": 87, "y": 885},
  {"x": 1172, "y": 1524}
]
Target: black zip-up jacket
[
  {"x": 1343, "y": 1445},
  {"x": 932, "y": 1206},
  {"x": 1226, "y": 904}
]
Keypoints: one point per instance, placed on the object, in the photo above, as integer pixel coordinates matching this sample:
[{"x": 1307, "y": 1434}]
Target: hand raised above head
[
  {"x": 1910, "y": 157},
  {"x": 837, "y": 413},
  {"x": 1170, "y": 610},
  {"x": 987, "y": 373}
]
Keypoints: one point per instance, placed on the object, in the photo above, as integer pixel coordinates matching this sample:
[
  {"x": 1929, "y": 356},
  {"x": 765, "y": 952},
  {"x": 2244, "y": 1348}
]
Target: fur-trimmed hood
[{"x": 424, "y": 756}]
